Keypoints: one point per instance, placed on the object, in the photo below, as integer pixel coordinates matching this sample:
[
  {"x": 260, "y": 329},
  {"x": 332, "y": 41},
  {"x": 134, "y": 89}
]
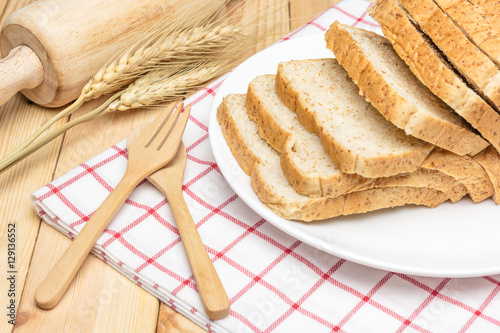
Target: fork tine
[
  {"x": 176, "y": 134},
  {"x": 165, "y": 126},
  {"x": 160, "y": 121}
]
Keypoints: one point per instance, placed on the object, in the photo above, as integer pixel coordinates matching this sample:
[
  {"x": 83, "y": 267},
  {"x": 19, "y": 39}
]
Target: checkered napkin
[{"x": 274, "y": 282}]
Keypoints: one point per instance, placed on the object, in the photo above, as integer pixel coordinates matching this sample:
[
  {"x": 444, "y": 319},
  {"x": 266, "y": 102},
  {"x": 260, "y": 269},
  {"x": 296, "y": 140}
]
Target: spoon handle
[
  {"x": 212, "y": 293},
  {"x": 57, "y": 281}
]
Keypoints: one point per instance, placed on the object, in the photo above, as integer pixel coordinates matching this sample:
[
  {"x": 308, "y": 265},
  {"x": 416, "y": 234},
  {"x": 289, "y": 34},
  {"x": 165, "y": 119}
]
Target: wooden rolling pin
[{"x": 53, "y": 47}]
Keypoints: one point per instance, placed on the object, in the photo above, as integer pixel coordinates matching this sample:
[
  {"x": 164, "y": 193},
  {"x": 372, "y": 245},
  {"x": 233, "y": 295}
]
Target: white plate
[{"x": 452, "y": 240}]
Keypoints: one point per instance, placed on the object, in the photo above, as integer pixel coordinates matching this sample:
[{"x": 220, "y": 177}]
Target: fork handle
[
  {"x": 57, "y": 281},
  {"x": 212, "y": 293}
]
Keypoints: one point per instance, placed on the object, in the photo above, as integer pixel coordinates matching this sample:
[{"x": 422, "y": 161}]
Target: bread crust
[
  {"x": 424, "y": 178},
  {"x": 389, "y": 197},
  {"x": 464, "y": 169},
  {"x": 234, "y": 137},
  {"x": 459, "y": 139},
  {"x": 466, "y": 16},
  {"x": 490, "y": 10},
  {"x": 489, "y": 159},
  {"x": 303, "y": 207},
  {"x": 348, "y": 161},
  {"x": 473, "y": 64},
  {"x": 427, "y": 65}
]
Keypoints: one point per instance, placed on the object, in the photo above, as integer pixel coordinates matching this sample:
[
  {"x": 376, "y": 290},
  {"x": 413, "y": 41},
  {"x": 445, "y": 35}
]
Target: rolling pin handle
[{"x": 21, "y": 69}]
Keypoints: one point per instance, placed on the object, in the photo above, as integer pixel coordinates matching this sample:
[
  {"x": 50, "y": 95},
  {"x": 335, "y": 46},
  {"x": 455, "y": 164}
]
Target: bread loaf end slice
[
  {"x": 355, "y": 135},
  {"x": 473, "y": 24},
  {"x": 490, "y": 10},
  {"x": 387, "y": 82},
  {"x": 428, "y": 65},
  {"x": 489, "y": 159},
  {"x": 479, "y": 70}
]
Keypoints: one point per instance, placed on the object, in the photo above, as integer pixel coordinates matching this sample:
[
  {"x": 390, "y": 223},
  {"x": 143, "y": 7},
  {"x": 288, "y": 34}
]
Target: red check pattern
[{"x": 275, "y": 283}]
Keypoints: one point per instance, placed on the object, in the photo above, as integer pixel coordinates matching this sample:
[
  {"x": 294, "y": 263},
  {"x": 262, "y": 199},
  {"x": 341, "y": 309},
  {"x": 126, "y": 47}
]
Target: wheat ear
[
  {"x": 152, "y": 89},
  {"x": 159, "y": 86},
  {"x": 168, "y": 39}
]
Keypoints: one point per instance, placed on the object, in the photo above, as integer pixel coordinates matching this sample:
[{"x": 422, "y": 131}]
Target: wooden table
[{"x": 99, "y": 298}]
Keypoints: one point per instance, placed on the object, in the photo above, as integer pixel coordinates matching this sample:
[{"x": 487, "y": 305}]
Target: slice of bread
[
  {"x": 387, "y": 82},
  {"x": 355, "y": 135},
  {"x": 425, "y": 178},
  {"x": 464, "y": 169},
  {"x": 490, "y": 10},
  {"x": 434, "y": 71},
  {"x": 306, "y": 165},
  {"x": 490, "y": 161},
  {"x": 466, "y": 57},
  {"x": 472, "y": 23},
  {"x": 262, "y": 163}
]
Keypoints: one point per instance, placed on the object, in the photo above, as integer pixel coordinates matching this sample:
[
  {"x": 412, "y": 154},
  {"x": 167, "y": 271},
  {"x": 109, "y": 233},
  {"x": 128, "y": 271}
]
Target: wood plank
[
  {"x": 99, "y": 298},
  {"x": 19, "y": 118},
  {"x": 170, "y": 321},
  {"x": 303, "y": 11}
]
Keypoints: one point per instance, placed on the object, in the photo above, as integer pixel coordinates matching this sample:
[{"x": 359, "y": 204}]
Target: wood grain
[
  {"x": 18, "y": 118},
  {"x": 170, "y": 321}
]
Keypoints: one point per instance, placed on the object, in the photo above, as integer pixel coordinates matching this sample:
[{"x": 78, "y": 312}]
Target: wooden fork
[
  {"x": 149, "y": 149},
  {"x": 212, "y": 293}
]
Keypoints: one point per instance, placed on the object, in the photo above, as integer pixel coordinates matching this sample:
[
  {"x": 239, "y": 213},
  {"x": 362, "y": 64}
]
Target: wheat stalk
[
  {"x": 163, "y": 44},
  {"x": 166, "y": 64},
  {"x": 154, "y": 88},
  {"x": 158, "y": 86},
  {"x": 148, "y": 50}
]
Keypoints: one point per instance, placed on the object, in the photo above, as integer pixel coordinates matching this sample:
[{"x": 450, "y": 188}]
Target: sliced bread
[
  {"x": 304, "y": 160},
  {"x": 464, "y": 169},
  {"x": 467, "y": 58},
  {"x": 428, "y": 65},
  {"x": 490, "y": 161},
  {"x": 262, "y": 163},
  {"x": 306, "y": 165},
  {"x": 387, "y": 82},
  {"x": 490, "y": 10},
  {"x": 473, "y": 24},
  {"x": 425, "y": 178},
  {"x": 355, "y": 135}
]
